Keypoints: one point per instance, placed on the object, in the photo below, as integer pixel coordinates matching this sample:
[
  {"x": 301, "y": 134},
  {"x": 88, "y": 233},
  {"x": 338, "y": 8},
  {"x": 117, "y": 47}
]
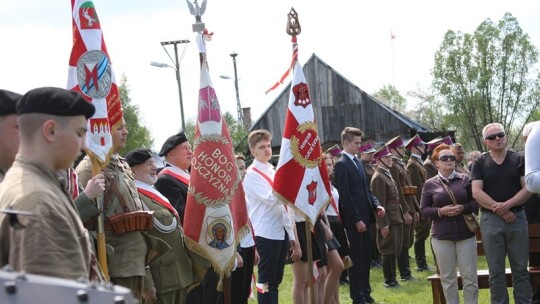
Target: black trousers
[
  {"x": 241, "y": 277},
  {"x": 271, "y": 266},
  {"x": 360, "y": 253}
]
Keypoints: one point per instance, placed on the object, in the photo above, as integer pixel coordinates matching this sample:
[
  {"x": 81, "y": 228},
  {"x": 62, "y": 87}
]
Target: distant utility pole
[
  {"x": 177, "y": 69},
  {"x": 238, "y": 105}
]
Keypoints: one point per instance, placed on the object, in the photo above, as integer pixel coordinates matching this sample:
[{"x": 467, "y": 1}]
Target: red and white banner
[
  {"x": 301, "y": 180},
  {"x": 215, "y": 217},
  {"x": 91, "y": 73}
]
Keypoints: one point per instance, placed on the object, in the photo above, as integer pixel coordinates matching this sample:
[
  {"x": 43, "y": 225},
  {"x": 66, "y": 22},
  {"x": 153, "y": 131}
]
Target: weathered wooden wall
[{"x": 338, "y": 103}]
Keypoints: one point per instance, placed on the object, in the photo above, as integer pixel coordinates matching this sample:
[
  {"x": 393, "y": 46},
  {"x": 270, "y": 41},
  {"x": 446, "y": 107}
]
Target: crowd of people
[{"x": 385, "y": 201}]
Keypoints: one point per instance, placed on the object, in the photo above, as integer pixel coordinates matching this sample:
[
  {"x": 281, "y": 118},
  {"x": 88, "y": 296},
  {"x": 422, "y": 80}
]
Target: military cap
[
  {"x": 172, "y": 142},
  {"x": 437, "y": 141},
  {"x": 414, "y": 141},
  {"x": 8, "y": 100},
  {"x": 382, "y": 152},
  {"x": 367, "y": 148},
  {"x": 432, "y": 144},
  {"x": 395, "y": 142},
  {"x": 138, "y": 156},
  {"x": 334, "y": 150},
  {"x": 55, "y": 101}
]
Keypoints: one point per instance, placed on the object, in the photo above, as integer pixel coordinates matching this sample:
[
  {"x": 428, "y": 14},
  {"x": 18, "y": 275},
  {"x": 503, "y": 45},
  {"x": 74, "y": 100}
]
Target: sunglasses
[
  {"x": 447, "y": 158},
  {"x": 492, "y": 137}
]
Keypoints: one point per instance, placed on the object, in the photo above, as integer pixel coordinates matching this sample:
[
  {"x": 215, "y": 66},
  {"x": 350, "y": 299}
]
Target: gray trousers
[{"x": 499, "y": 240}]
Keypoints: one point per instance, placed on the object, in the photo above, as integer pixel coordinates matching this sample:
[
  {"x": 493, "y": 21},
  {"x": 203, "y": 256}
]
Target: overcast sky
[{"x": 353, "y": 37}]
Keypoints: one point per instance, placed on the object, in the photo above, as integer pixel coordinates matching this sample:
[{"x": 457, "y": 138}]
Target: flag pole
[
  {"x": 309, "y": 261},
  {"x": 101, "y": 247},
  {"x": 294, "y": 29}
]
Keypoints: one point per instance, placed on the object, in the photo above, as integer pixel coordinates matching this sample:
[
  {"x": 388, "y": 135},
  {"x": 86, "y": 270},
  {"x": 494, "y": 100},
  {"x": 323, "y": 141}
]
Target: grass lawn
[{"x": 413, "y": 292}]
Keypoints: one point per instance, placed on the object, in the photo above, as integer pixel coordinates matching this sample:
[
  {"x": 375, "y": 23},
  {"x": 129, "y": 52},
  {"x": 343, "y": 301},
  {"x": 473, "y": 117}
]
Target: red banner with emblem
[
  {"x": 91, "y": 73},
  {"x": 215, "y": 217},
  {"x": 301, "y": 179}
]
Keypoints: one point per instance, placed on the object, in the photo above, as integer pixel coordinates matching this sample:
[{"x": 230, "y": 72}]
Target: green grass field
[{"x": 413, "y": 292}]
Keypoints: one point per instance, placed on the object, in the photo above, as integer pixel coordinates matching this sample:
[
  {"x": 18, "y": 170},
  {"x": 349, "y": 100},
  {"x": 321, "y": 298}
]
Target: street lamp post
[
  {"x": 177, "y": 70},
  {"x": 238, "y": 105}
]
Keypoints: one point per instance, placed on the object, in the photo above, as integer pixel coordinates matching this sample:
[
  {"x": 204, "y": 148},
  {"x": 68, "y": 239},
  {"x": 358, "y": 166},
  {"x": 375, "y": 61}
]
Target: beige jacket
[{"x": 53, "y": 241}]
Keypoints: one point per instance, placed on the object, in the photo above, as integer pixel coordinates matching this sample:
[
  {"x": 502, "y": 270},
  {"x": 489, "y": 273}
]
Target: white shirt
[
  {"x": 532, "y": 160},
  {"x": 352, "y": 157},
  {"x": 247, "y": 241},
  {"x": 330, "y": 210},
  {"x": 267, "y": 214}
]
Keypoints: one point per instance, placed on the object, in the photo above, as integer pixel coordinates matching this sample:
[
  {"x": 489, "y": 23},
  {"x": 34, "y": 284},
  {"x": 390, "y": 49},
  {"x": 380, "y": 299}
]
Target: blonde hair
[{"x": 256, "y": 136}]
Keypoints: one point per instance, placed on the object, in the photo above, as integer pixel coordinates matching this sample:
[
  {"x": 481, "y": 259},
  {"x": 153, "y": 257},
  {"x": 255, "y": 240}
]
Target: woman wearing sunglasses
[{"x": 445, "y": 197}]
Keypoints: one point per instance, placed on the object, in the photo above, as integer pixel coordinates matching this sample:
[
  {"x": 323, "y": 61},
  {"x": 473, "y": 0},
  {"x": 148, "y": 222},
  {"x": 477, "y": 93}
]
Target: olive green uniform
[
  {"x": 171, "y": 274},
  {"x": 418, "y": 176},
  {"x": 127, "y": 265},
  {"x": 409, "y": 205},
  {"x": 386, "y": 191}
]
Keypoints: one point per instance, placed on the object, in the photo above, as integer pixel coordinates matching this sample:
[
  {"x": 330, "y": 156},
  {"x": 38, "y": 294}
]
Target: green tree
[
  {"x": 430, "y": 111},
  {"x": 488, "y": 76},
  {"x": 391, "y": 97},
  {"x": 139, "y": 135}
]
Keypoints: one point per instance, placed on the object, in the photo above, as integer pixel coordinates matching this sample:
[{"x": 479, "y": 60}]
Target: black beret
[
  {"x": 8, "y": 100},
  {"x": 172, "y": 142},
  {"x": 138, "y": 156},
  {"x": 55, "y": 101}
]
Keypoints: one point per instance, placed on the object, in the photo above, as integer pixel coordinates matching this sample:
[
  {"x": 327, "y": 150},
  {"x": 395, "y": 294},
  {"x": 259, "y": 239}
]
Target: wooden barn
[{"x": 338, "y": 103}]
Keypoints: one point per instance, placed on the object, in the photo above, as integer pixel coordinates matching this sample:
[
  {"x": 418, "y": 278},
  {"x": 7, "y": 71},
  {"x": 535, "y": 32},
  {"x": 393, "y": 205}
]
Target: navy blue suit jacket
[{"x": 356, "y": 202}]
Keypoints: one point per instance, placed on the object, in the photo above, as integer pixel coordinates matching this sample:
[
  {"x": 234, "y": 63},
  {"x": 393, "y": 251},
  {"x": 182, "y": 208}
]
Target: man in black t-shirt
[{"x": 498, "y": 185}]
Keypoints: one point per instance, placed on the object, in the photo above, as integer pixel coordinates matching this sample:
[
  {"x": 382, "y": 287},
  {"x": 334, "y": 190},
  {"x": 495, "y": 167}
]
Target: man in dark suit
[{"x": 358, "y": 206}]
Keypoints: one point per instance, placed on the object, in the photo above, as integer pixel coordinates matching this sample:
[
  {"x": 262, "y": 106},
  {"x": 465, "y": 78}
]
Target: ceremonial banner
[
  {"x": 301, "y": 180},
  {"x": 215, "y": 217},
  {"x": 90, "y": 73}
]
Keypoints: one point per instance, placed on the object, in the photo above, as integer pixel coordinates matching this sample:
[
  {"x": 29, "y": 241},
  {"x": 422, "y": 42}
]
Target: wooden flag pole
[
  {"x": 309, "y": 249},
  {"x": 101, "y": 247}
]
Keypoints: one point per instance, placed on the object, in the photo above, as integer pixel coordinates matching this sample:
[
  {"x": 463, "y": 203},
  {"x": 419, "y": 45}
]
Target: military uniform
[
  {"x": 431, "y": 169},
  {"x": 53, "y": 242},
  {"x": 409, "y": 205},
  {"x": 126, "y": 266},
  {"x": 369, "y": 169},
  {"x": 171, "y": 273},
  {"x": 418, "y": 176},
  {"x": 386, "y": 191},
  {"x": 460, "y": 168}
]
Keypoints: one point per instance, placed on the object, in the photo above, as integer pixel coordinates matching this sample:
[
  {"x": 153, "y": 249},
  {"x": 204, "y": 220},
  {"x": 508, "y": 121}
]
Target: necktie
[{"x": 359, "y": 166}]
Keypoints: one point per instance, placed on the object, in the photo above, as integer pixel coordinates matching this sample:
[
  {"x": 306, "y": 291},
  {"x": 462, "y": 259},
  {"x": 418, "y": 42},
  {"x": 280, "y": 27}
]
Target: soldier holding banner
[
  {"x": 51, "y": 240},
  {"x": 127, "y": 265}
]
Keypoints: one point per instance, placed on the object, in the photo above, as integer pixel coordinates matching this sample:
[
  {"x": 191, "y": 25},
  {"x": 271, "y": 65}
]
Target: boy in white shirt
[{"x": 271, "y": 225}]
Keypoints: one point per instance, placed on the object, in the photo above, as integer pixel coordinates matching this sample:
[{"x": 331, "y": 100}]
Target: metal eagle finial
[{"x": 197, "y": 11}]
